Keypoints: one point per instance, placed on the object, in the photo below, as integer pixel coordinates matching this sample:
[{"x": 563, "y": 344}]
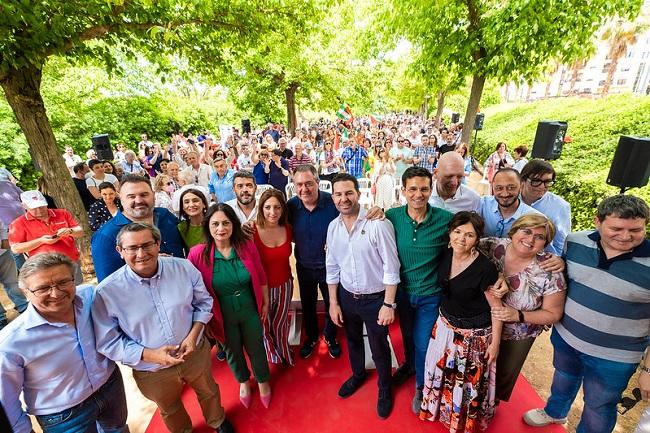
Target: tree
[
  {"x": 32, "y": 31},
  {"x": 619, "y": 35},
  {"x": 507, "y": 41}
]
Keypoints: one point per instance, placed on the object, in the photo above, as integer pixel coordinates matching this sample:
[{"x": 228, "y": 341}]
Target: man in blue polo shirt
[{"x": 137, "y": 199}]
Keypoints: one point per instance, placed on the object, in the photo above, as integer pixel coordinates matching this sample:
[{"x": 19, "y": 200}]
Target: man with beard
[
  {"x": 245, "y": 203},
  {"x": 362, "y": 277},
  {"x": 501, "y": 210},
  {"x": 448, "y": 191},
  {"x": 137, "y": 200}
]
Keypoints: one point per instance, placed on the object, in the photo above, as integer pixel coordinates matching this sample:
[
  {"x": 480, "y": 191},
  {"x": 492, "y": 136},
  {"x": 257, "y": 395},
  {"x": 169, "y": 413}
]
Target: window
[
  {"x": 639, "y": 74},
  {"x": 601, "y": 83},
  {"x": 621, "y": 82}
]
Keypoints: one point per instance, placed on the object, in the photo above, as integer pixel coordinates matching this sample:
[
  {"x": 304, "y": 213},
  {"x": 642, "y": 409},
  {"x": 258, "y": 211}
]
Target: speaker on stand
[
  {"x": 478, "y": 124},
  {"x": 631, "y": 164},
  {"x": 549, "y": 139},
  {"x": 246, "y": 126},
  {"x": 455, "y": 117},
  {"x": 102, "y": 146}
]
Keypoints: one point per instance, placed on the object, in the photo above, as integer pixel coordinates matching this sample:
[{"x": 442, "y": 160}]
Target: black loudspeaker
[
  {"x": 549, "y": 139},
  {"x": 455, "y": 117},
  {"x": 631, "y": 165},
  {"x": 102, "y": 146},
  {"x": 478, "y": 122},
  {"x": 246, "y": 126}
]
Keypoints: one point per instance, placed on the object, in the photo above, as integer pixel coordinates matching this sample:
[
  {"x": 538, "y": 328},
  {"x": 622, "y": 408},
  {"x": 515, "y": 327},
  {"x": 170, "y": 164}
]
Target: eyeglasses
[
  {"x": 538, "y": 182},
  {"x": 628, "y": 403},
  {"x": 169, "y": 183},
  {"x": 45, "y": 290},
  {"x": 146, "y": 247},
  {"x": 500, "y": 228}
]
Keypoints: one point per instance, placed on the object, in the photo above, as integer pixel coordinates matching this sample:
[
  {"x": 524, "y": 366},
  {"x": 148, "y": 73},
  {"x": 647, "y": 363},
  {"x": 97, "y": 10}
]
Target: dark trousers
[
  {"x": 356, "y": 313},
  {"x": 310, "y": 280}
]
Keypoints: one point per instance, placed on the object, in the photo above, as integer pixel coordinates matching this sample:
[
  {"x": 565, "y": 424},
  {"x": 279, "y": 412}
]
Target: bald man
[{"x": 448, "y": 191}]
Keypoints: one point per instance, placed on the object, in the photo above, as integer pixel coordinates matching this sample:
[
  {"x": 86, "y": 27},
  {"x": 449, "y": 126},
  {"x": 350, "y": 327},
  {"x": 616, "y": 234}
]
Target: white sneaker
[{"x": 539, "y": 418}]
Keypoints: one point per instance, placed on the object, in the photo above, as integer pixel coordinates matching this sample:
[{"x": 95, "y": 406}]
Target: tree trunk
[
  {"x": 610, "y": 76},
  {"x": 472, "y": 108},
  {"x": 290, "y": 96},
  {"x": 22, "y": 88},
  {"x": 441, "y": 106}
]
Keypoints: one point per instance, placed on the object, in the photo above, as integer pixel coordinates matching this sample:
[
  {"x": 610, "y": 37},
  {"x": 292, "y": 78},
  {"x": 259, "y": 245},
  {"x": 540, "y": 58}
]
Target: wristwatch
[{"x": 393, "y": 305}]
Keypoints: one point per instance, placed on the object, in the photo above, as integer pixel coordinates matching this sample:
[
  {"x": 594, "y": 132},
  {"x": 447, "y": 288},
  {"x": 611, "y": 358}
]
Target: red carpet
[{"x": 305, "y": 400}]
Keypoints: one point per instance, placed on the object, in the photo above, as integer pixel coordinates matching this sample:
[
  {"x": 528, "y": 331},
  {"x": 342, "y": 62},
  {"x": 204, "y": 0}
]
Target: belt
[
  {"x": 368, "y": 296},
  {"x": 483, "y": 320}
]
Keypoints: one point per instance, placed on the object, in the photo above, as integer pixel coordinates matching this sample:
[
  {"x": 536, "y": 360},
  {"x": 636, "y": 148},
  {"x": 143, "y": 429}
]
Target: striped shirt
[
  {"x": 419, "y": 247},
  {"x": 607, "y": 311}
]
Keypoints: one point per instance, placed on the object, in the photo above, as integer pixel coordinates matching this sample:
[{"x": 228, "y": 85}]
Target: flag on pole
[
  {"x": 344, "y": 112},
  {"x": 375, "y": 118}
]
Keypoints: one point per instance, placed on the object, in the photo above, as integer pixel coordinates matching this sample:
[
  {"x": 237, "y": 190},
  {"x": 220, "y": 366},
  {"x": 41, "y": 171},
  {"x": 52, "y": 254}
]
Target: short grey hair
[
  {"x": 138, "y": 227},
  {"x": 623, "y": 206},
  {"x": 306, "y": 168},
  {"x": 42, "y": 262}
]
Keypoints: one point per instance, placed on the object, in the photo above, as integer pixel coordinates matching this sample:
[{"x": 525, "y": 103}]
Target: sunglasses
[{"x": 628, "y": 403}]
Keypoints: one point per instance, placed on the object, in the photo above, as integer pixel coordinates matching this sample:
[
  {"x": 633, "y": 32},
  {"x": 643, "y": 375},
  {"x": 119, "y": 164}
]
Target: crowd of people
[{"x": 192, "y": 242}]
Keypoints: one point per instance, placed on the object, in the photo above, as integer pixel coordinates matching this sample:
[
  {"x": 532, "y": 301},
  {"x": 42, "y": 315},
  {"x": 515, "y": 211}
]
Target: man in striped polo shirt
[
  {"x": 420, "y": 232},
  {"x": 605, "y": 329}
]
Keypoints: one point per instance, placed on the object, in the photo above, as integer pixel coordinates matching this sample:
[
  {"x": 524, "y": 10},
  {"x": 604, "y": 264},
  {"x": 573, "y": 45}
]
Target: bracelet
[
  {"x": 645, "y": 369},
  {"x": 521, "y": 316}
]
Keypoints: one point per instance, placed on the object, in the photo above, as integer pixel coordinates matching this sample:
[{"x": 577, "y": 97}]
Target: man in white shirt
[
  {"x": 200, "y": 172},
  {"x": 403, "y": 157},
  {"x": 448, "y": 192},
  {"x": 71, "y": 159},
  {"x": 362, "y": 276},
  {"x": 245, "y": 161},
  {"x": 245, "y": 203}
]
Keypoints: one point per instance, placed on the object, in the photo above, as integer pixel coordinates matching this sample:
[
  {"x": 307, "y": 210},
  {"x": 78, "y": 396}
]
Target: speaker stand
[{"x": 623, "y": 189}]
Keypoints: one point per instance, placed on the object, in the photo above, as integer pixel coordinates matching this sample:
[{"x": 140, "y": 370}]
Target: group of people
[{"x": 473, "y": 281}]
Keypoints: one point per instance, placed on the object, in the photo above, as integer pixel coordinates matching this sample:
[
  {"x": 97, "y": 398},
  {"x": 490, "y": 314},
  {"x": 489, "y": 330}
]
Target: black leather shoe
[
  {"x": 225, "y": 427},
  {"x": 384, "y": 404},
  {"x": 307, "y": 349},
  {"x": 350, "y": 386},
  {"x": 402, "y": 374},
  {"x": 333, "y": 348}
]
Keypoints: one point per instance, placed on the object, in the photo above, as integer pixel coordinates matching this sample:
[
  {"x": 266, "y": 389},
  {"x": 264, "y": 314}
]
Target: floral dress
[{"x": 527, "y": 287}]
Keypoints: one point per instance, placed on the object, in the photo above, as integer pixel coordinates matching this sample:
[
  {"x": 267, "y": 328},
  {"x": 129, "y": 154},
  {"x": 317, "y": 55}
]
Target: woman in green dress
[
  {"x": 232, "y": 271},
  {"x": 193, "y": 206}
]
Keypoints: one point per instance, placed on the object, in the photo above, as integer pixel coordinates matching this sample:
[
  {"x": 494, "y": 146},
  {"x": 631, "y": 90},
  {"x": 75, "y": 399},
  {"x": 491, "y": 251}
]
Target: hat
[{"x": 33, "y": 199}]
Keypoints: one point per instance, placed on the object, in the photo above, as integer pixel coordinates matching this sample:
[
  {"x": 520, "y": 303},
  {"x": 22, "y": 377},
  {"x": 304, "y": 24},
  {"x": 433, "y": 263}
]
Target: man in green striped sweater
[{"x": 420, "y": 232}]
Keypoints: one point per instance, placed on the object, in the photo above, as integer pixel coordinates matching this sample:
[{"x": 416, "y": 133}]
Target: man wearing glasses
[
  {"x": 537, "y": 177},
  {"x": 159, "y": 331},
  {"x": 501, "y": 209},
  {"x": 48, "y": 353}
]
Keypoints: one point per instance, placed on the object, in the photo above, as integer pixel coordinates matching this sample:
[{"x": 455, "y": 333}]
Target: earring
[{"x": 449, "y": 244}]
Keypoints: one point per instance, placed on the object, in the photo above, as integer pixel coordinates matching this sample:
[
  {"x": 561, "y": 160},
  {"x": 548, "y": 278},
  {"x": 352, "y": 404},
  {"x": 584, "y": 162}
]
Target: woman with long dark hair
[
  {"x": 193, "y": 206},
  {"x": 233, "y": 273},
  {"x": 273, "y": 237}
]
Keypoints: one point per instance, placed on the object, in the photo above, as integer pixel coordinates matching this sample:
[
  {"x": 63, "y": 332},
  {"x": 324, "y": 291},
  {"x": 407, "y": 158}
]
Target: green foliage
[{"x": 594, "y": 127}]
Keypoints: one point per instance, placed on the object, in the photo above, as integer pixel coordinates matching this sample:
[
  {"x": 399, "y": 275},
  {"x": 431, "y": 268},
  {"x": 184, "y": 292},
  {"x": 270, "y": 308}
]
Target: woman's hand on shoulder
[{"x": 552, "y": 263}]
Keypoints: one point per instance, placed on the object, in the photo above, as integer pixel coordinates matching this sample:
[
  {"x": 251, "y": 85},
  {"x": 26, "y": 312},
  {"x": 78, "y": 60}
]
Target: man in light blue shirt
[
  {"x": 537, "y": 177},
  {"x": 501, "y": 210},
  {"x": 49, "y": 354},
  {"x": 220, "y": 184},
  {"x": 150, "y": 315}
]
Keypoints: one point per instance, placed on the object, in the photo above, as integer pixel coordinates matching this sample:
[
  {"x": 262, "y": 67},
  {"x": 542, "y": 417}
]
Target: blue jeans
[
  {"x": 9, "y": 279},
  {"x": 417, "y": 315},
  {"x": 603, "y": 382},
  {"x": 104, "y": 411}
]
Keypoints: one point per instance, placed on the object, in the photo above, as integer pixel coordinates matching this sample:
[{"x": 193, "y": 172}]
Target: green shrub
[{"x": 594, "y": 127}]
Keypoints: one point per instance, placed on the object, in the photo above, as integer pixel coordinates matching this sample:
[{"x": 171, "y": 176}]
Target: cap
[{"x": 33, "y": 199}]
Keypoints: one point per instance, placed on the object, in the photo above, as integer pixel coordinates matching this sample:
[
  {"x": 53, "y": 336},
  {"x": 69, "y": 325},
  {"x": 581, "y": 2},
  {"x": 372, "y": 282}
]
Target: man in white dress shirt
[
  {"x": 245, "y": 203},
  {"x": 448, "y": 192},
  {"x": 362, "y": 277}
]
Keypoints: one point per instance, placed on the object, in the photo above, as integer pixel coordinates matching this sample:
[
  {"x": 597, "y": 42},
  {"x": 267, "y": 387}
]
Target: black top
[
  {"x": 86, "y": 197},
  {"x": 463, "y": 296},
  {"x": 99, "y": 214},
  {"x": 287, "y": 153},
  {"x": 446, "y": 148}
]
